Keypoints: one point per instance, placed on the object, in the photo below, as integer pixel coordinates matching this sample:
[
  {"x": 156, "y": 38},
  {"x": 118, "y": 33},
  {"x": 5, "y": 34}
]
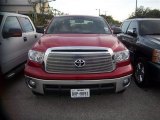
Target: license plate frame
[{"x": 80, "y": 93}]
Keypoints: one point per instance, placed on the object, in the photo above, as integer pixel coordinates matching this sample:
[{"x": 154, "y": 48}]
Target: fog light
[
  {"x": 126, "y": 82},
  {"x": 32, "y": 83}
]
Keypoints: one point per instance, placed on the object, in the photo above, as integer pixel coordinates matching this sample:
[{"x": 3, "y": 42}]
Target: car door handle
[
  {"x": 25, "y": 39},
  {"x": 35, "y": 36}
]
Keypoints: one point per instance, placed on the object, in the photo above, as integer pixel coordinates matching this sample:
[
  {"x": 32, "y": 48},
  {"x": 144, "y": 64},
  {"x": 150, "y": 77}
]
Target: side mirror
[
  {"x": 12, "y": 32},
  {"x": 132, "y": 32},
  {"x": 40, "y": 29},
  {"x": 116, "y": 30}
]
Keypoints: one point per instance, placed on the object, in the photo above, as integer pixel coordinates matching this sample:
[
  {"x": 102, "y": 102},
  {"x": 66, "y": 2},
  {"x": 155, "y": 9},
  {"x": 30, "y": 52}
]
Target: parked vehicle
[
  {"x": 116, "y": 30},
  {"x": 142, "y": 38},
  {"x": 78, "y": 53},
  {"x": 17, "y": 36}
]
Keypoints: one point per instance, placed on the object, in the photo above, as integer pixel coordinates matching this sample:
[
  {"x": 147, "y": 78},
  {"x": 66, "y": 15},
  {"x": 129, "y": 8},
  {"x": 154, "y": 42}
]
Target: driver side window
[
  {"x": 11, "y": 22},
  {"x": 133, "y": 27}
]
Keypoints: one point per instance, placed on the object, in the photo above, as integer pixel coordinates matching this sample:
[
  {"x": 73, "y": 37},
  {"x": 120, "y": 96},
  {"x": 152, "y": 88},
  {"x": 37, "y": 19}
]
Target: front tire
[
  {"x": 121, "y": 92},
  {"x": 140, "y": 74},
  {"x": 36, "y": 93}
]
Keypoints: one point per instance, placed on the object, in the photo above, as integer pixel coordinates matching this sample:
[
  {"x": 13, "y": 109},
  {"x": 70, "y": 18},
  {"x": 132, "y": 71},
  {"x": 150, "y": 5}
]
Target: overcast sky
[{"x": 118, "y": 9}]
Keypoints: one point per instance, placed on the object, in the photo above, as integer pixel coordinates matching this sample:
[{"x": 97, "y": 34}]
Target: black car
[{"x": 142, "y": 37}]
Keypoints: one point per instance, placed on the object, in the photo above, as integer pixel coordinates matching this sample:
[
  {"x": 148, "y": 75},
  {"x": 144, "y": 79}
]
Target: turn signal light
[{"x": 156, "y": 56}]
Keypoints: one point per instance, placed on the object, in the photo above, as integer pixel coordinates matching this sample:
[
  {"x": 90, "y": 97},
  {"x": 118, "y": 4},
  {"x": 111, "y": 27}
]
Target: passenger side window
[
  {"x": 10, "y": 23},
  {"x": 26, "y": 24},
  {"x": 125, "y": 26}
]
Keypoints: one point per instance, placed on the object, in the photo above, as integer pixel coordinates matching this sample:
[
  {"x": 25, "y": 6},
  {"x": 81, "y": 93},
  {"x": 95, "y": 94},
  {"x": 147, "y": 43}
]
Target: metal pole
[
  {"x": 34, "y": 12},
  {"x": 40, "y": 6},
  {"x": 105, "y": 13},
  {"x": 99, "y": 12},
  {"x": 136, "y": 9}
]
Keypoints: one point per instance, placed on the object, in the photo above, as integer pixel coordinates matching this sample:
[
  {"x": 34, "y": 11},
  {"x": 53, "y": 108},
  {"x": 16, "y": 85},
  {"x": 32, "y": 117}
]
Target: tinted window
[
  {"x": 1, "y": 17},
  {"x": 26, "y": 24},
  {"x": 125, "y": 26},
  {"x": 149, "y": 27},
  {"x": 11, "y": 22},
  {"x": 132, "y": 25},
  {"x": 78, "y": 25}
]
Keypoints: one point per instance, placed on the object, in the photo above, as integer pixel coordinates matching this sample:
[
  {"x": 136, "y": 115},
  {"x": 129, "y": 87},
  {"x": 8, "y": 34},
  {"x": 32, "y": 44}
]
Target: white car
[{"x": 18, "y": 34}]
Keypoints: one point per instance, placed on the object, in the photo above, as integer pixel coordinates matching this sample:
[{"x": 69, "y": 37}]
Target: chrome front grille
[{"x": 62, "y": 60}]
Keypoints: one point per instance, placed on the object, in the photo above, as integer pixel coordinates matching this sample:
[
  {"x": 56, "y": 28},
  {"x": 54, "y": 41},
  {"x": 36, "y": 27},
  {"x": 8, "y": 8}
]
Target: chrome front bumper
[{"x": 120, "y": 83}]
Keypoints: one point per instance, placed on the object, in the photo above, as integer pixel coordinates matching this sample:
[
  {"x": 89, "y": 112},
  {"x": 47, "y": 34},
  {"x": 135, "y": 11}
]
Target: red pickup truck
[{"x": 78, "y": 54}]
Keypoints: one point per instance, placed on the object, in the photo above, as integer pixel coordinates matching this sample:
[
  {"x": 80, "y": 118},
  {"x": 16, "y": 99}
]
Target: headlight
[
  {"x": 121, "y": 56},
  {"x": 36, "y": 56},
  {"x": 156, "y": 56}
]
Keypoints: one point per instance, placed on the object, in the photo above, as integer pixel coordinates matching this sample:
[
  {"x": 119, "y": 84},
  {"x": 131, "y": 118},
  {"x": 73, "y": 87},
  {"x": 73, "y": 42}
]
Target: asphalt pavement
[{"x": 134, "y": 104}]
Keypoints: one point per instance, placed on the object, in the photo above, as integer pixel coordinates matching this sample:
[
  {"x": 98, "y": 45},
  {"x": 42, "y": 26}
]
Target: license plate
[{"x": 80, "y": 93}]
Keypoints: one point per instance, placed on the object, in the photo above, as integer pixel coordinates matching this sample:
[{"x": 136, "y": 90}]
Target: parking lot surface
[{"x": 134, "y": 104}]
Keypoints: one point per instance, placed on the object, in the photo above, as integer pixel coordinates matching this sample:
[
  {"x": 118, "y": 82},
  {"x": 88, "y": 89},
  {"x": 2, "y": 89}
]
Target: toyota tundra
[{"x": 78, "y": 54}]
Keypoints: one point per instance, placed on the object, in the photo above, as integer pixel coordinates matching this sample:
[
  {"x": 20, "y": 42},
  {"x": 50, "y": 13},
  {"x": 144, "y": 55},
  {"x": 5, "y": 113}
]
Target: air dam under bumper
[{"x": 38, "y": 84}]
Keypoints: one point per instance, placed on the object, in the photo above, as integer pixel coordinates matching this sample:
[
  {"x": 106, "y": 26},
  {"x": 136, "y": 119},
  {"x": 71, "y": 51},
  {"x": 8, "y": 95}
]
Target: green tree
[
  {"x": 153, "y": 14},
  {"x": 111, "y": 21},
  {"x": 41, "y": 19},
  {"x": 145, "y": 13}
]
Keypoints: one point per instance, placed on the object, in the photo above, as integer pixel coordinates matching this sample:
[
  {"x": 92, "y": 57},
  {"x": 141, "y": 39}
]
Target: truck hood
[{"x": 58, "y": 40}]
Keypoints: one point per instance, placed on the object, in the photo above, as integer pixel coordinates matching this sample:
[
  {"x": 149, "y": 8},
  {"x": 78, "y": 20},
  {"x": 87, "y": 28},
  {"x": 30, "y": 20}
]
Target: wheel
[
  {"x": 36, "y": 93},
  {"x": 121, "y": 92},
  {"x": 140, "y": 74}
]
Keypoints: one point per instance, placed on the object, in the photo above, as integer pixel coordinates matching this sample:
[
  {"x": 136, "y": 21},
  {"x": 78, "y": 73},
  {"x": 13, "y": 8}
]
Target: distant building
[{"x": 25, "y": 6}]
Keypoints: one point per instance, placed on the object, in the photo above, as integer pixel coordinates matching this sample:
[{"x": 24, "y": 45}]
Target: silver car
[{"x": 17, "y": 36}]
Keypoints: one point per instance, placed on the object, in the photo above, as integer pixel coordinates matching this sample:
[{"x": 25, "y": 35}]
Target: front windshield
[
  {"x": 149, "y": 27},
  {"x": 78, "y": 25},
  {"x": 1, "y": 17}
]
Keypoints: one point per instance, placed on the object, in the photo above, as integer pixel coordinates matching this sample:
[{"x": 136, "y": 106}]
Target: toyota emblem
[{"x": 79, "y": 63}]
